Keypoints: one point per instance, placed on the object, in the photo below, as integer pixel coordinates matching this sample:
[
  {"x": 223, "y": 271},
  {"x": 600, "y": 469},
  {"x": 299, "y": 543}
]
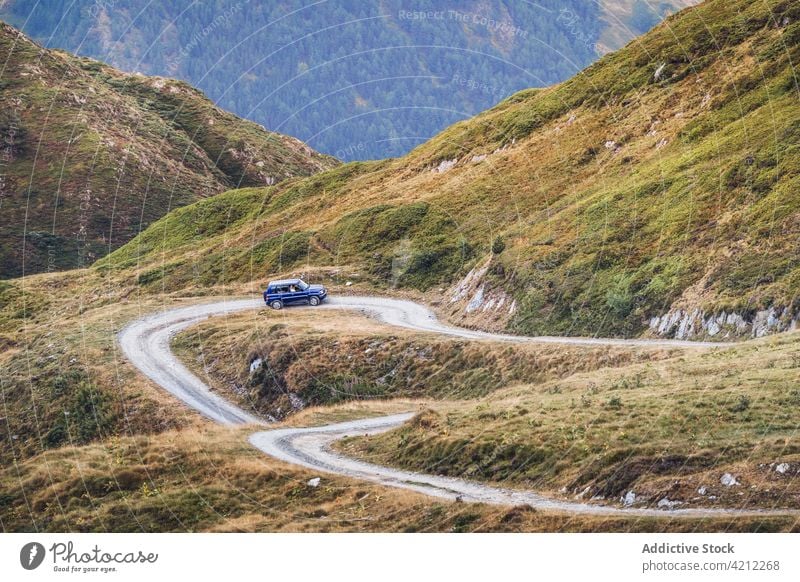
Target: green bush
[
  {"x": 88, "y": 414},
  {"x": 498, "y": 245},
  {"x": 619, "y": 297}
]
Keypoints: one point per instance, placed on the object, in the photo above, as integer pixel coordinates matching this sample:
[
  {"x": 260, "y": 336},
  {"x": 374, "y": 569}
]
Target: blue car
[{"x": 292, "y": 292}]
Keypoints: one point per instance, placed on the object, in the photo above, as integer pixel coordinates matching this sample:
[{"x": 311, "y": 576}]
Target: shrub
[
  {"x": 619, "y": 297},
  {"x": 498, "y": 245},
  {"x": 742, "y": 404},
  {"x": 87, "y": 415}
]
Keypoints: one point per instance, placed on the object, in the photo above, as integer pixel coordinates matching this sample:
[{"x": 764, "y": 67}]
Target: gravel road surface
[{"x": 146, "y": 344}]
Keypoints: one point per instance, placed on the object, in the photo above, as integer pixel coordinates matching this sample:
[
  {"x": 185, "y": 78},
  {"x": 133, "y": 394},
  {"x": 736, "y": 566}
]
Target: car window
[{"x": 303, "y": 285}]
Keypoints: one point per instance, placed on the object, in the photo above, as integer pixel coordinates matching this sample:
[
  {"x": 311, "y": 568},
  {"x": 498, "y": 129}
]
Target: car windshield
[{"x": 303, "y": 285}]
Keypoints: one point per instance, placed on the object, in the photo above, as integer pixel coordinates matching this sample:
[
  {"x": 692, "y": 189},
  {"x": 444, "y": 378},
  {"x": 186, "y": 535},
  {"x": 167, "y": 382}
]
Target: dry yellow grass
[
  {"x": 661, "y": 422},
  {"x": 212, "y": 480},
  {"x": 663, "y": 429},
  {"x": 322, "y": 357}
]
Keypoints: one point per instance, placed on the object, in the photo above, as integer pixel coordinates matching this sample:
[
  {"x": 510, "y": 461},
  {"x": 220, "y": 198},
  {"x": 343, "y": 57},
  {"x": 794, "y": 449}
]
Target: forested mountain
[
  {"x": 89, "y": 155},
  {"x": 358, "y": 80}
]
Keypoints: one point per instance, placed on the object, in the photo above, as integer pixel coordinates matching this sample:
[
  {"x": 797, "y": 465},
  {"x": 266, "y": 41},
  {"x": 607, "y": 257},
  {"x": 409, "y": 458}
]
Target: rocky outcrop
[
  {"x": 474, "y": 301},
  {"x": 696, "y": 324},
  {"x": 445, "y": 165}
]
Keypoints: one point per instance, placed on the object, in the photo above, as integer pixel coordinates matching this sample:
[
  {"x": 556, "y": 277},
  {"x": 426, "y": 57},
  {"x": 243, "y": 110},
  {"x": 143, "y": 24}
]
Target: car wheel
[
  {"x": 313, "y": 301},
  {"x": 277, "y": 304}
]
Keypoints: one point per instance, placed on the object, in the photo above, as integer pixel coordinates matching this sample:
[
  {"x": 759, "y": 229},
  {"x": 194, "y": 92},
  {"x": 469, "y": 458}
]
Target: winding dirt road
[{"x": 146, "y": 343}]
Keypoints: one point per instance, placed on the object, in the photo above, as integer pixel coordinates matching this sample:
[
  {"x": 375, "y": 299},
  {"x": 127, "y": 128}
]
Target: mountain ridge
[
  {"x": 91, "y": 155},
  {"x": 388, "y": 74}
]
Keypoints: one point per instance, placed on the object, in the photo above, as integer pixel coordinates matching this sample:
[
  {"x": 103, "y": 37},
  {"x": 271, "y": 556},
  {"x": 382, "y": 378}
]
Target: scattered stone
[
  {"x": 314, "y": 482},
  {"x": 629, "y": 499},
  {"x": 348, "y": 284},
  {"x": 477, "y": 300},
  {"x": 728, "y": 480},
  {"x": 296, "y": 402},
  {"x": 584, "y": 492},
  {"x": 445, "y": 165},
  {"x": 703, "y": 490},
  {"x": 255, "y": 365},
  {"x": 668, "y": 504},
  {"x": 782, "y": 468}
]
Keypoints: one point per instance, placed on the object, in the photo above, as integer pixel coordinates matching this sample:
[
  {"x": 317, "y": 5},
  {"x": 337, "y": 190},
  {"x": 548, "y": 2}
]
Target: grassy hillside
[
  {"x": 213, "y": 480},
  {"x": 90, "y": 155},
  {"x": 566, "y": 420},
  {"x": 300, "y": 368},
  {"x": 662, "y": 179},
  {"x": 665, "y": 430},
  {"x": 627, "y": 19}
]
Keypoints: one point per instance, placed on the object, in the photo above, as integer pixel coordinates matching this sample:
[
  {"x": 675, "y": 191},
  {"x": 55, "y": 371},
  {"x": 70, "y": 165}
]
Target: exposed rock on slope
[{"x": 696, "y": 324}]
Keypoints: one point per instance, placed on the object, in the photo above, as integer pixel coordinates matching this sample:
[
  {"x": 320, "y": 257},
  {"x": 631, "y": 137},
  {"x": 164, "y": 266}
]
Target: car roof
[{"x": 283, "y": 282}]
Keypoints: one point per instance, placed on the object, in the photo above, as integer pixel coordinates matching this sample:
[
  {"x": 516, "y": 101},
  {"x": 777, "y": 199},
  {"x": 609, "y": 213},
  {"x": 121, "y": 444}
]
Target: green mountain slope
[
  {"x": 358, "y": 80},
  {"x": 658, "y": 188},
  {"x": 90, "y": 155}
]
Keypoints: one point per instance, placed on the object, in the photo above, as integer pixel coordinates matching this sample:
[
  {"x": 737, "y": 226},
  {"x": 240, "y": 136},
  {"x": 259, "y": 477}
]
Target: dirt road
[
  {"x": 310, "y": 447},
  {"x": 145, "y": 343}
]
